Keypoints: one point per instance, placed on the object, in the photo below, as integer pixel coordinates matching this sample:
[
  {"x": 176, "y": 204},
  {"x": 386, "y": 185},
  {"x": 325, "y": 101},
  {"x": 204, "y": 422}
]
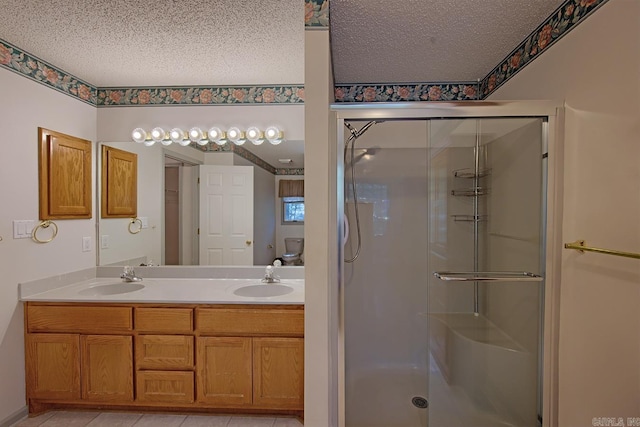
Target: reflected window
[
  {"x": 377, "y": 195},
  {"x": 293, "y": 210}
]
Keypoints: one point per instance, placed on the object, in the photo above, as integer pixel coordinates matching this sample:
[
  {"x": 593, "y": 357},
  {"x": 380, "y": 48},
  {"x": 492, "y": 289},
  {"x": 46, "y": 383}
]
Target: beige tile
[
  {"x": 34, "y": 421},
  {"x": 70, "y": 419},
  {"x": 206, "y": 421},
  {"x": 287, "y": 422},
  {"x": 114, "y": 419},
  {"x": 159, "y": 420},
  {"x": 251, "y": 422}
]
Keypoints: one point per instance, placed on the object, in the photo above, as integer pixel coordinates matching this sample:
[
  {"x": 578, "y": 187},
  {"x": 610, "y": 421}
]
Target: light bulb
[
  {"x": 196, "y": 135},
  {"x": 139, "y": 135},
  {"x": 254, "y": 135},
  {"x": 158, "y": 134},
  {"x": 236, "y": 136},
  {"x": 216, "y": 135},
  {"x": 274, "y": 135},
  {"x": 177, "y": 136}
]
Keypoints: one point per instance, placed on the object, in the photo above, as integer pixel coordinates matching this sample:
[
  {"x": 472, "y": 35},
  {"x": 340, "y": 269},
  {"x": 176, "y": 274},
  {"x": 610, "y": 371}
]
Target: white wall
[
  {"x": 25, "y": 106},
  {"x": 321, "y": 317},
  {"x": 595, "y": 68}
]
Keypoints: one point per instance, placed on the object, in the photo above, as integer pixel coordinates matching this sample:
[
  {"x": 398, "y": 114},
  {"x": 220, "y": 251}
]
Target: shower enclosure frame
[{"x": 552, "y": 139}]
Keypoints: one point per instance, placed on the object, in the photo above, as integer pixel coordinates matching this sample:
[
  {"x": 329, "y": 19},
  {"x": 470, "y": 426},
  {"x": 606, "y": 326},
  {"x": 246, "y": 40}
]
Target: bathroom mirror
[{"x": 169, "y": 209}]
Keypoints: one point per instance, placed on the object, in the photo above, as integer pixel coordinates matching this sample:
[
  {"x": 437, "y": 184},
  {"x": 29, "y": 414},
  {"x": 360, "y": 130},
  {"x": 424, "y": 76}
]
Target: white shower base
[
  {"x": 380, "y": 396},
  {"x": 490, "y": 377}
]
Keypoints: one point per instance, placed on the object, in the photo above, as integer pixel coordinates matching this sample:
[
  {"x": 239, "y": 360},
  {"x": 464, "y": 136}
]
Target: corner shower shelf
[
  {"x": 470, "y": 192},
  {"x": 469, "y": 218},
  {"x": 469, "y": 173},
  {"x": 488, "y": 276}
]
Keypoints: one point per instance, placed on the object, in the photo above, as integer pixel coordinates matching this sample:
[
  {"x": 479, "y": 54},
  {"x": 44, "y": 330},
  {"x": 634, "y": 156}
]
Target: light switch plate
[
  {"x": 86, "y": 244},
  {"x": 145, "y": 221},
  {"x": 22, "y": 229},
  {"x": 104, "y": 241}
]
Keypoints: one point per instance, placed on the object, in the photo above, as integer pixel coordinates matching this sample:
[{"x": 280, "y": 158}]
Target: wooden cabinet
[
  {"x": 278, "y": 372},
  {"x": 164, "y": 355},
  {"x": 168, "y": 352},
  {"x": 53, "y": 366},
  {"x": 165, "y": 387},
  {"x": 64, "y": 166},
  {"x": 242, "y": 359},
  {"x": 68, "y": 359},
  {"x": 107, "y": 368},
  {"x": 224, "y": 371},
  {"x": 255, "y": 359},
  {"x": 119, "y": 183}
]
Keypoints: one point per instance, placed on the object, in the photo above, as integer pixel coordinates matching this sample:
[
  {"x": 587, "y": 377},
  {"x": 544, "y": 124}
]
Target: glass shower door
[
  {"x": 486, "y": 235},
  {"x": 449, "y": 196}
]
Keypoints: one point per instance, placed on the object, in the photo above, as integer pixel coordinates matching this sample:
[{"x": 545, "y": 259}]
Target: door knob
[{"x": 248, "y": 242}]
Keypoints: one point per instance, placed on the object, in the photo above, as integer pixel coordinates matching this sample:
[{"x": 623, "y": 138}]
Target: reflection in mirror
[{"x": 171, "y": 206}]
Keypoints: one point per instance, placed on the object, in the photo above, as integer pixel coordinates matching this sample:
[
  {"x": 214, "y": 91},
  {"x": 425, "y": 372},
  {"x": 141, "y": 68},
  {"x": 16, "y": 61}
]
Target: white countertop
[{"x": 169, "y": 291}]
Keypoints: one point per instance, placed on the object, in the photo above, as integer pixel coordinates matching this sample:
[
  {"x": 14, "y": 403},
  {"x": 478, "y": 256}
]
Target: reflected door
[{"x": 226, "y": 215}]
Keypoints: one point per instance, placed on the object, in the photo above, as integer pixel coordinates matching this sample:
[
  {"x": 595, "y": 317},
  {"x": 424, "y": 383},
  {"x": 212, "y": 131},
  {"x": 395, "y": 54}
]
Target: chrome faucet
[
  {"x": 129, "y": 275},
  {"x": 269, "y": 273}
]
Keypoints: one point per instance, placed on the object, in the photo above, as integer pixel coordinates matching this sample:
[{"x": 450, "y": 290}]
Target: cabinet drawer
[
  {"x": 103, "y": 320},
  {"x": 249, "y": 321},
  {"x": 165, "y": 386},
  {"x": 164, "y": 320},
  {"x": 171, "y": 352}
]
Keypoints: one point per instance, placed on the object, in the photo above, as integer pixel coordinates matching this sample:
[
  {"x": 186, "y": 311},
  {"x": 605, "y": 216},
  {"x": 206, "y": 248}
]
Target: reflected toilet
[{"x": 294, "y": 246}]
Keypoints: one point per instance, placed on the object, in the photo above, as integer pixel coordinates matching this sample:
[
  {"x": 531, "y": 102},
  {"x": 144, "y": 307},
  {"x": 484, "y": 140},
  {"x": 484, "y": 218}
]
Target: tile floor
[{"x": 125, "y": 419}]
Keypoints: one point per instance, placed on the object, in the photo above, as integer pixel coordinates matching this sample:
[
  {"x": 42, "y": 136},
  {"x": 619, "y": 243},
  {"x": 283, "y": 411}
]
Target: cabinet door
[
  {"x": 224, "y": 371},
  {"x": 53, "y": 366},
  {"x": 107, "y": 368},
  {"x": 278, "y": 373}
]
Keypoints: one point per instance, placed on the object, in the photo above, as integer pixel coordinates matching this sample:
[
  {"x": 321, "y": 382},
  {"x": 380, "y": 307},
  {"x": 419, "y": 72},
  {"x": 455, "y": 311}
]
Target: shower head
[{"x": 355, "y": 134}]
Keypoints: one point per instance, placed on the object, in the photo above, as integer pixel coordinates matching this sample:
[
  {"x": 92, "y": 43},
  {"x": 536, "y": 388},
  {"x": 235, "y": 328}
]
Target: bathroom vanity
[{"x": 173, "y": 345}]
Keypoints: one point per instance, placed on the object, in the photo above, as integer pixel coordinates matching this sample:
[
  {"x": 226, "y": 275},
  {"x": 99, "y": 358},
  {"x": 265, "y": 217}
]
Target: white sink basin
[
  {"x": 112, "y": 288},
  {"x": 264, "y": 290}
]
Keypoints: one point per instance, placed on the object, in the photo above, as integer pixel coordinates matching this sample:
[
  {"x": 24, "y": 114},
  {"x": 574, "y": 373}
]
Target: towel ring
[
  {"x": 44, "y": 224},
  {"x": 132, "y": 222}
]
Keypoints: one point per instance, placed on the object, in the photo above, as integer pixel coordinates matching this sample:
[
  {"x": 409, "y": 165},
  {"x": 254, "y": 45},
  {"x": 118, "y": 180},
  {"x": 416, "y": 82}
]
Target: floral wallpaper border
[
  {"x": 200, "y": 95},
  {"x": 316, "y": 14},
  {"x": 407, "y": 92},
  {"x": 27, "y": 65},
  {"x": 563, "y": 20}
]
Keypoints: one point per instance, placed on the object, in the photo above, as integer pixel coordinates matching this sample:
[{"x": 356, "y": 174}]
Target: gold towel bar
[{"x": 581, "y": 246}]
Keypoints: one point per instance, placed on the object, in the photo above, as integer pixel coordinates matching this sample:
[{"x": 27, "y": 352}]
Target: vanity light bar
[{"x": 273, "y": 134}]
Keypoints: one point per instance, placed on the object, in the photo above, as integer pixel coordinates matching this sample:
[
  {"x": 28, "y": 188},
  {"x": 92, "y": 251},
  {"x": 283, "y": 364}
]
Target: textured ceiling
[
  {"x": 377, "y": 41},
  {"x": 111, "y": 43},
  {"x": 116, "y": 43}
]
